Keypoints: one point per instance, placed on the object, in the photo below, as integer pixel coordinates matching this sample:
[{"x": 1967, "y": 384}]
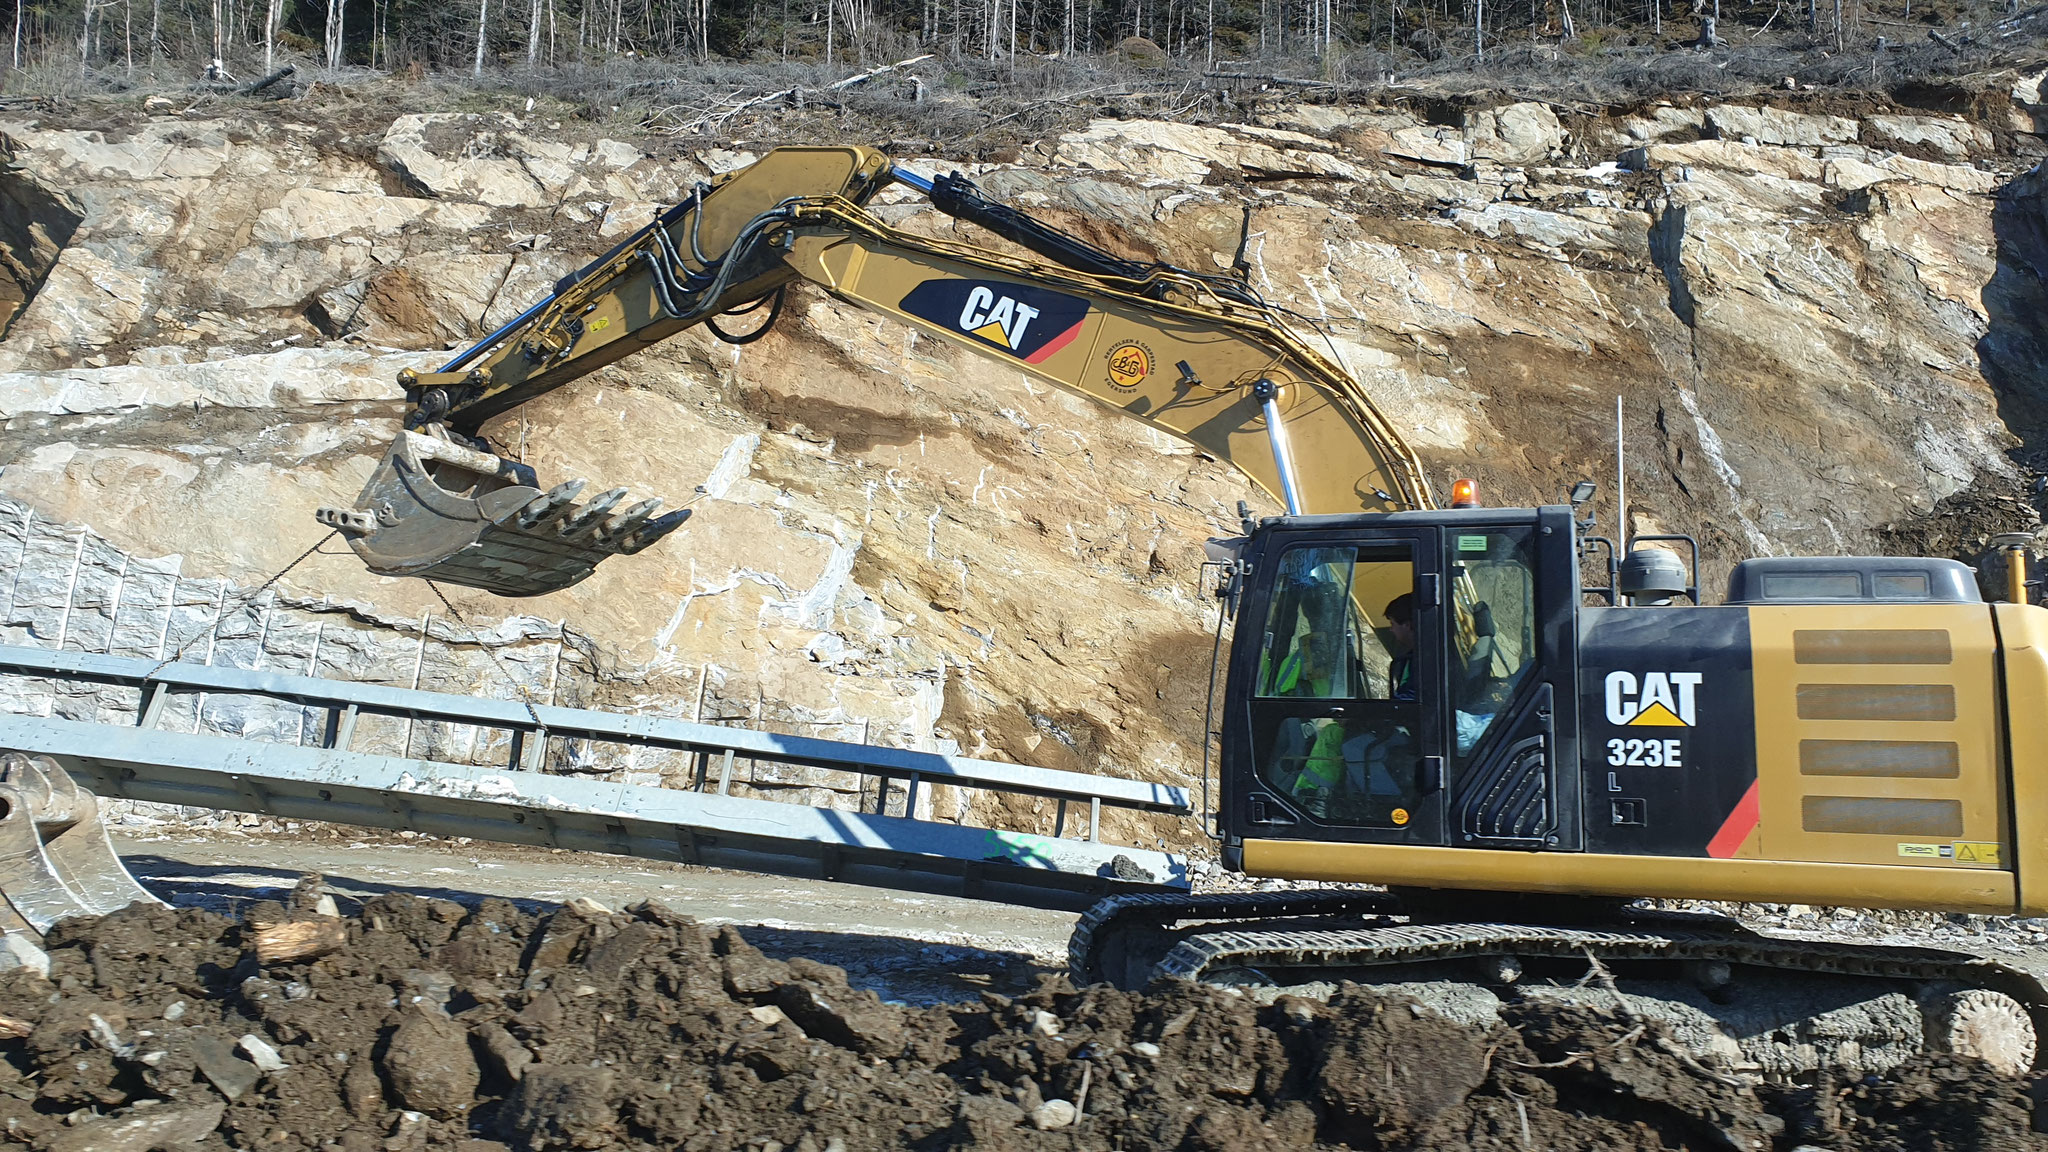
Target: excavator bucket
[
  {"x": 55, "y": 859},
  {"x": 445, "y": 511}
]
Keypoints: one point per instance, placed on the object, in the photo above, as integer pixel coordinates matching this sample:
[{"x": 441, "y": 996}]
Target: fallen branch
[
  {"x": 267, "y": 81},
  {"x": 1283, "y": 81},
  {"x": 712, "y": 120}
]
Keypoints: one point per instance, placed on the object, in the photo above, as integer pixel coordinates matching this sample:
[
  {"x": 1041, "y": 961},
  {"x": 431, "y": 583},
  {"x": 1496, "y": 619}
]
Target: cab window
[
  {"x": 1493, "y": 626},
  {"x": 1327, "y": 633},
  {"x": 1335, "y": 719}
]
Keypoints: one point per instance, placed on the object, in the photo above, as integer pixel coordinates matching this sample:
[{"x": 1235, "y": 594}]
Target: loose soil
[{"x": 441, "y": 1026}]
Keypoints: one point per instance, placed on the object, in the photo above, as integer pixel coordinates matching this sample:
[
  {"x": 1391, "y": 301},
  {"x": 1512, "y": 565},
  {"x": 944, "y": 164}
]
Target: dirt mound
[{"x": 431, "y": 1025}]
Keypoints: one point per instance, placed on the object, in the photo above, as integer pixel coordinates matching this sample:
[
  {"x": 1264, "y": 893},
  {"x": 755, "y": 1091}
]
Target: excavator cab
[{"x": 1393, "y": 674}]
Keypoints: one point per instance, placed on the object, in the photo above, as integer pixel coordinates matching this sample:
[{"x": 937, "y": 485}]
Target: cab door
[{"x": 1334, "y": 725}]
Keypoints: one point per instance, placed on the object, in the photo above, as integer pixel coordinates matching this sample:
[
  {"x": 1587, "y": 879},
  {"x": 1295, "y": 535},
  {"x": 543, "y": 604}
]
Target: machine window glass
[
  {"x": 1328, "y": 636},
  {"x": 1493, "y": 625},
  {"x": 1813, "y": 586},
  {"x": 1334, "y": 726},
  {"x": 1903, "y": 586}
]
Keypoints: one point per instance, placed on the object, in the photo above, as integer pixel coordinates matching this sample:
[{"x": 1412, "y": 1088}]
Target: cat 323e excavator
[{"x": 1414, "y": 697}]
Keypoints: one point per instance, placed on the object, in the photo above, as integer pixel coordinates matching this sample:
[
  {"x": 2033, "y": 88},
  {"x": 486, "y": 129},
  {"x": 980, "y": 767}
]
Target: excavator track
[
  {"x": 1106, "y": 925},
  {"x": 1296, "y": 938}
]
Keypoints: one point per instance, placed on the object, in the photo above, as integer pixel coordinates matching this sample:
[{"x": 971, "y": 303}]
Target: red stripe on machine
[
  {"x": 1055, "y": 344},
  {"x": 1734, "y": 830}
]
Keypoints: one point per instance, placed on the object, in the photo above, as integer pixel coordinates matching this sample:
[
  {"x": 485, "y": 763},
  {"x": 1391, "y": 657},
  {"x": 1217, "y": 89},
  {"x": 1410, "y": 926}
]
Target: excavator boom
[{"x": 1199, "y": 356}]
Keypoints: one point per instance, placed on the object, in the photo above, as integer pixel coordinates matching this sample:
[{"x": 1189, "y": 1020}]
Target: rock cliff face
[{"x": 1825, "y": 327}]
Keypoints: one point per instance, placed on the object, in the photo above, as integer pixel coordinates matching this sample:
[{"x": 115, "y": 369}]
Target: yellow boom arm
[{"x": 1197, "y": 356}]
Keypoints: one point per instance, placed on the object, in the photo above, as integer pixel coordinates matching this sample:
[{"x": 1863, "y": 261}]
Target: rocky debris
[
  {"x": 171, "y": 1129},
  {"x": 647, "y": 1031}
]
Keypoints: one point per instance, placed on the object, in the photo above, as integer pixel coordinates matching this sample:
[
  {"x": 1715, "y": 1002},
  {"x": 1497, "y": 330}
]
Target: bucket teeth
[
  {"x": 653, "y": 530},
  {"x": 625, "y": 522},
  {"x": 347, "y": 520},
  {"x": 547, "y": 506},
  {"x": 586, "y": 517}
]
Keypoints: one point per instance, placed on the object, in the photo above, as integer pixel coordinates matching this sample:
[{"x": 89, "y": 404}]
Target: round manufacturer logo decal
[
  {"x": 1129, "y": 363},
  {"x": 1400, "y": 817}
]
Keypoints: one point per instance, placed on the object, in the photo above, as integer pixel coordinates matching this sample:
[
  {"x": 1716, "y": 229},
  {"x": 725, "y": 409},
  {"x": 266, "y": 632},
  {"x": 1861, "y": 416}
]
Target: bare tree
[
  {"x": 17, "y": 33},
  {"x": 335, "y": 12},
  {"x": 270, "y": 15},
  {"x": 483, "y": 12},
  {"x": 533, "y": 36},
  {"x": 85, "y": 37}
]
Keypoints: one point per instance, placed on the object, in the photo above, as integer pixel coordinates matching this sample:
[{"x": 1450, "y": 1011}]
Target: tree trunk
[
  {"x": 1479, "y": 27},
  {"x": 483, "y": 13},
  {"x": 270, "y": 14},
  {"x": 17, "y": 32},
  {"x": 85, "y": 38},
  {"x": 533, "y": 36},
  {"x": 335, "y": 11}
]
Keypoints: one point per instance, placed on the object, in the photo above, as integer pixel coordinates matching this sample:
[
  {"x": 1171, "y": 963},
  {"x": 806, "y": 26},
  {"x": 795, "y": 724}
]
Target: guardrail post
[
  {"x": 341, "y": 727},
  {"x": 910, "y": 797},
  {"x": 1059, "y": 819},
  {"x": 529, "y": 749},
  {"x": 153, "y": 701},
  {"x": 725, "y": 775},
  {"x": 1094, "y": 819}
]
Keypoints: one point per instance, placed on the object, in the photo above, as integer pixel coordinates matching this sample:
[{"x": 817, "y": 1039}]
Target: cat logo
[
  {"x": 1026, "y": 322},
  {"x": 1655, "y": 700}
]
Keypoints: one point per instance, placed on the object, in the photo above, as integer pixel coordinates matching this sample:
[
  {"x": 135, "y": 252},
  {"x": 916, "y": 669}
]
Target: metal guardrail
[{"x": 517, "y": 804}]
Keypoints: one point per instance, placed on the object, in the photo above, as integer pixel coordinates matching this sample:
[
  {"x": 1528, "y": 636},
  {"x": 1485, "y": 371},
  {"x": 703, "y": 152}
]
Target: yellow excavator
[{"x": 1429, "y": 701}]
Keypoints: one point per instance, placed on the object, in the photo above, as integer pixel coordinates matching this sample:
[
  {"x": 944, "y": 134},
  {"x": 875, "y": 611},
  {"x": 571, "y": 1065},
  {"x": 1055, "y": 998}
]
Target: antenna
[{"x": 1620, "y": 479}]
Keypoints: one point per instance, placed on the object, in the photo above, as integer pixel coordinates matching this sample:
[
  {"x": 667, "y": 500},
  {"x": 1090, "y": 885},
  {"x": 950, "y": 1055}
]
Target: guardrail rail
[{"x": 125, "y": 753}]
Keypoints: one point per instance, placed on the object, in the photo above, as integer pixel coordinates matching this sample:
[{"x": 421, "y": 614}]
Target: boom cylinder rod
[
  {"x": 491, "y": 341},
  {"x": 904, "y": 176},
  {"x": 1268, "y": 395}
]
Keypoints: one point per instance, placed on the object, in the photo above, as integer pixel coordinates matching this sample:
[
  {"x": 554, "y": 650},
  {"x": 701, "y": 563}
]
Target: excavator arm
[{"x": 1199, "y": 356}]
